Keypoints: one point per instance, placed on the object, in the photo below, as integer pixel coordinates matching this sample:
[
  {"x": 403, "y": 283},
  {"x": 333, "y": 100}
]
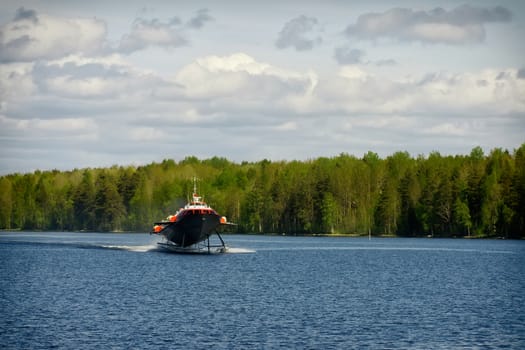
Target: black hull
[{"x": 191, "y": 229}]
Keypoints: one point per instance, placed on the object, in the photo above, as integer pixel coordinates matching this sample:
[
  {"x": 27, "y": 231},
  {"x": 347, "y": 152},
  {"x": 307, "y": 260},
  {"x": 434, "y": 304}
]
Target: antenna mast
[{"x": 194, "y": 185}]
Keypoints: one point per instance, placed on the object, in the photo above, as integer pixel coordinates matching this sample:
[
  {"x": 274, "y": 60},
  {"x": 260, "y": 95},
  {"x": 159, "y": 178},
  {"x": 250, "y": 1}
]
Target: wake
[
  {"x": 154, "y": 247},
  {"x": 132, "y": 248},
  {"x": 232, "y": 250}
]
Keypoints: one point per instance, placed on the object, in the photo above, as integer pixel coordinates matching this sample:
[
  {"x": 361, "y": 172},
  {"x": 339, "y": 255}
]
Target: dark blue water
[{"x": 85, "y": 291}]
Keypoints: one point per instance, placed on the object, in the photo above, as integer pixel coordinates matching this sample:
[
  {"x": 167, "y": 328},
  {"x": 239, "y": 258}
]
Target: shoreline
[{"x": 327, "y": 235}]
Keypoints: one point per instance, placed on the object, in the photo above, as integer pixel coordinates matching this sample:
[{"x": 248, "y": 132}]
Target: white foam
[
  {"x": 231, "y": 250},
  {"x": 132, "y": 248},
  {"x": 153, "y": 247}
]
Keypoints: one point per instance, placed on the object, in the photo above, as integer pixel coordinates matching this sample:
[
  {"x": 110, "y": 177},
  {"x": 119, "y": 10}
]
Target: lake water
[{"x": 116, "y": 291}]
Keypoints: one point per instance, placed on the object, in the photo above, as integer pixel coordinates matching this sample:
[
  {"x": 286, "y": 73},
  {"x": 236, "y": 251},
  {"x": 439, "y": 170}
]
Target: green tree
[
  {"x": 128, "y": 181},
  {"x": 84, "y": 203},
  {"x": 444, "y": 203},
  {"x": 517, "y": 195},
  {"x": 409, "y": 191},
  {"x": 462, "y": 214},
  {"x": 471, "y": 194},
  {"x": 24, "y": 201},
  {"x": 44, "y": 203},
  {"x": 430, "y": 178},
  {"x": 388, "y": 209},
  {"x": 142, "y": 213},
  {"x": 373, "y": 185},
  {"x": 6, "y": 202},
  {"x": 475, "y": 190},
  {"x": 109, "y": 209},
  {"x": 328, "y": 210}
]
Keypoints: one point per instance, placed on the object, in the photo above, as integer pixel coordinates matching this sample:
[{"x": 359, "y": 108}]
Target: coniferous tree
[
  {"x": 84, "y": 203},
  {"x": 109, "y": 209},
  {"x": 446, "y": 196},
  {"x": 6, "y": 202}
]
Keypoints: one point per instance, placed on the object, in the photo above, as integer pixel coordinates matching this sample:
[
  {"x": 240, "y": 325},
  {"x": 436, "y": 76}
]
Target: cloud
[
  {"x": 239, "y": 85},
  {"x": 76, "y": 77},
  {"x": 146, "y": 33},
  {"x": 31, "y": 36},
  {"x": 520, "y": 74},
  {"x": 146, "y": 134},
  {"x": 37, "y": 127},
  {"x": 386, "y": 121},
  {"x": 155, "y": 32},
  {"x": 462, "y": 25},
  {"x": 200, "y": 19},
  {"x": 294, "y": 34},
  {"x": 75, "y": 81},
  {"x": 287, "y": 126},
  {"x": 446, "y": 129},
  {"x": 16, "y": 81},
  {"x": 241, "y": 79},
  {"x": 356, "y": 92},
  {"x": 105, "y": 110},
  {"x": 213, "y": 87},
  {"x": 23, "y": 14},
  {"x": 386, "y": 62},
  {"x": 347, "y": 55}
]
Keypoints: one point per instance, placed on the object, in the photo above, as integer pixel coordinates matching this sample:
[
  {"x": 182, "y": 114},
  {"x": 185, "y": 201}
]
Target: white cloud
[
  {"x": 145, "y": 33},
  {"x": 462, "y": 25},
  {"x": 446, "y": 33},
  {"x": 31, "y": 36},
  {"x": 64, "y": 125},
  {"x": 102, "y": 77},
  {"x": 61, "y": 127},
  {"x": 16, "y": 81},
  {"x": 169, "y": 34},
  {"x": 445, "y": 129},
  {"x": 222, "y": 88},
  {"x": 241, "y": 79},
  {"x": 386, "y": 121},
  {"x": 463, "y": 92},
  {"x": 287, "y": 126},
  {"x": 357, "y": 90},
  {"x": 354, "y": 72},
  {"x": 63, "y": 93},
  {"x": 146, "y": 134}
]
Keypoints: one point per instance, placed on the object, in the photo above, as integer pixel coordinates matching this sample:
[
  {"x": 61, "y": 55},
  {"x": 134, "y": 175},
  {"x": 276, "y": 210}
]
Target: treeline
[{"x": 477, "y": 195}]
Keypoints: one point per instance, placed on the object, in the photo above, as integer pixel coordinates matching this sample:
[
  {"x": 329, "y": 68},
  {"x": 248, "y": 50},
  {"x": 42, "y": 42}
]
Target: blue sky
[{"x": 91, "y": 84}]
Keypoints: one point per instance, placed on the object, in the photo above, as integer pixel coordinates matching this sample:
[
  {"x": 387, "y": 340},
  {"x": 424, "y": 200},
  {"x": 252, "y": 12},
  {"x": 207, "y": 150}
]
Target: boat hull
[{"x": 191, "y": 229}]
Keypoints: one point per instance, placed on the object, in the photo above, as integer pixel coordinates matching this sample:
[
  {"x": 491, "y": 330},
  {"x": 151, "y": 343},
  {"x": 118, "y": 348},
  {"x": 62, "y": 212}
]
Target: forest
[{"x": 476, "y": 195}]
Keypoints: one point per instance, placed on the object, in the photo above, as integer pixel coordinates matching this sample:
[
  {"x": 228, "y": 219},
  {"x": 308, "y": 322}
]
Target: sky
[{"x": 102, "y": 83}]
